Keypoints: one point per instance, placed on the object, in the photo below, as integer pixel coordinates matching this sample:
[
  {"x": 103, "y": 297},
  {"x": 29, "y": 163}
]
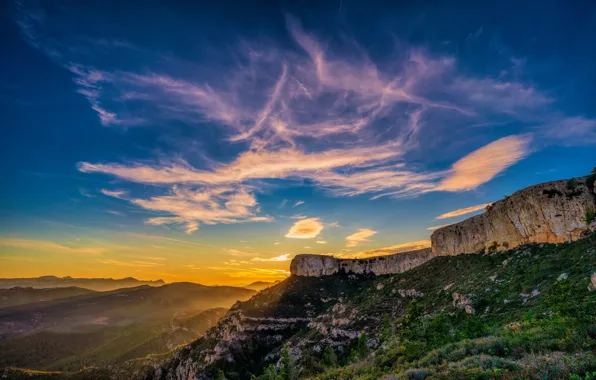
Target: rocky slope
[
  {"x": 551, "y": 212},
  {"x": 442, "y": 301},
  {"x": 317, "y": 265}
]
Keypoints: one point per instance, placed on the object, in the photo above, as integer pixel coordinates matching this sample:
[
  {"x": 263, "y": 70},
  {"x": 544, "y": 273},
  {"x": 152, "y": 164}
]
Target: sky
[{"x": 212, "y": 143}]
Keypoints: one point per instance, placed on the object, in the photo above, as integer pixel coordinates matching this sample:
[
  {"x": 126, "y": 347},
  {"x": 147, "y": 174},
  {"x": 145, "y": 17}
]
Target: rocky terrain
[
  {"x": 516, "y": 312},
  {"x": 551, "y": 212},
  {"x": 317, "y": 265}
]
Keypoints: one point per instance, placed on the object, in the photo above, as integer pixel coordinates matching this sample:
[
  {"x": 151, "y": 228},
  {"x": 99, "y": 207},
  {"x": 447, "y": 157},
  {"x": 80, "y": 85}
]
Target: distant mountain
[
  {"x": 20, "y": 296},
  {"x": 260, "y": 285},
  {"x": 101, "y": 328},
  {"x": 99, "y": 284},
  {"x": 118, "y": 307}
]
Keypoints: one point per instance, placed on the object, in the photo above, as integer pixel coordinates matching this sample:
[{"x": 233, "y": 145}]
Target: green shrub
[{"x": 329, "y": 357}]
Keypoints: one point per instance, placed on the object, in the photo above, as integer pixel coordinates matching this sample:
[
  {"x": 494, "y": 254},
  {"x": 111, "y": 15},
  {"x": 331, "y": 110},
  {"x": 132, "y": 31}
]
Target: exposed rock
[
  {"x": 318, "y": 265},
  {"x": 462, "y": 302},
  {"x": 550, "y": 212},
  {"x": 410, "y": 293},
  {"x": 563, "y": 276},
  {"x": 592, "y": 285}
]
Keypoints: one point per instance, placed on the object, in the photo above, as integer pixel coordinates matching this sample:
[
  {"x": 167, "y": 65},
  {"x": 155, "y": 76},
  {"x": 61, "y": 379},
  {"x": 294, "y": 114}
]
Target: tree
[
  {"x": 329, "y": 357},
  {"x": 362, "y": 346},
  {"x": 221, "y": 375},
  {"x": 270, "y": 373},
  {"x": 287, "y": 371}
]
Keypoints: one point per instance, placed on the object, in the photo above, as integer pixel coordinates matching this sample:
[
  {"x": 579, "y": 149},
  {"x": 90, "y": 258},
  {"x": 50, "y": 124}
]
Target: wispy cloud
[
  {"x": 284, "y": 257},
  {"x": 462, "y": 211},
  {"x": 209, "y": 206},
  {"x": 343, "y": 122},
  {"x": 305, "y": 229},
  {"x": 399, "y": 248},
  {"x": 86, "y": 193},
  {"x": 360, "y": 236},
  {"x": 321, "y": 242},
  {"x": 113, "y": 193},
  {"x": 50, "y": 246},
  {"x": 140, "y": 264},
  {"x": 298, "y": 203},
  {"x": 433, "y": 228},
  {"x": 236, "y": 252}
]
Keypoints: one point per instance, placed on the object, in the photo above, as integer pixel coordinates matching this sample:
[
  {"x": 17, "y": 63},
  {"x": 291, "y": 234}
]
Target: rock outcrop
[
  {"x": 551, "y": 212},
  {"x": 318, "y": 265}
]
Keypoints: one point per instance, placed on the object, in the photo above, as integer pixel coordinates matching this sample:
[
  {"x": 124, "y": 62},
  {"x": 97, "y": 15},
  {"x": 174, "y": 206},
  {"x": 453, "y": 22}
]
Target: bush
[{"x": 329, "y": 357}]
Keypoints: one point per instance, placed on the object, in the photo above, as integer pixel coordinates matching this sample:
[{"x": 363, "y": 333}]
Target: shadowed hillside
[
  {"x": 109, "y": 327},
  {"x": 20, "y": 296}
]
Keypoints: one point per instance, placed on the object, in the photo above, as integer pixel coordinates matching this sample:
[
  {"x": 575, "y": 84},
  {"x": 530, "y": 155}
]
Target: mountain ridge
[{"x": 98, "y": 284}]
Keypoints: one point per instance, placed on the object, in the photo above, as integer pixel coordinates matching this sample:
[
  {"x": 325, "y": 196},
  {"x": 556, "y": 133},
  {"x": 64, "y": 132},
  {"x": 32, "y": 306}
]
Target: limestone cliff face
[
  {"x": 551, "y": 212},
  {"x": 317, "y": 265}
]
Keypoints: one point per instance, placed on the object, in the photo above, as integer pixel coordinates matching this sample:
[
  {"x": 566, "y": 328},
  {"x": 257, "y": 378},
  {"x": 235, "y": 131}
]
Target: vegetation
[
  {"x": 535, "y": 321},
  {"x": 526, "y": 313}
]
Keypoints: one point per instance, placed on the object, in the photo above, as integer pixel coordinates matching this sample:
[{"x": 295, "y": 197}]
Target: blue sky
[{"x": 237, "y": 136}]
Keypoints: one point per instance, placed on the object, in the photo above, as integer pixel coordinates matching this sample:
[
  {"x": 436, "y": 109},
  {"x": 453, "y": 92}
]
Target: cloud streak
[
  {"x": 394, "y": 249},
  {"x": 358, "y": 237},
  {"x": 462, "y": 211}
]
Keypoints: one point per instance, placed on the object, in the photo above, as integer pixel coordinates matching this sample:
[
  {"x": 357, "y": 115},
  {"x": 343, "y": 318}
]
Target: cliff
[
  {"x": 551, "y": 212},
  {"x": 317, "y": 265}
]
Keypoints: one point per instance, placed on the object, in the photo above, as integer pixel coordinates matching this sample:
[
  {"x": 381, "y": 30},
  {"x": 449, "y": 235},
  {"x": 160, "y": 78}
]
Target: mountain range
[
  {"x": 92, "y": 328},
  {"x": 99, "y": 284}
]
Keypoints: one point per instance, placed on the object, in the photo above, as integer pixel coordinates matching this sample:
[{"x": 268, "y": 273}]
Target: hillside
[
  {"x": 260, "y": 285},
  {"x": 108, "y": 327},
  {"x": 521, "y": 313},
  {"x": 99, "y": 284},
  {"x": 20, "y": 296}
]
